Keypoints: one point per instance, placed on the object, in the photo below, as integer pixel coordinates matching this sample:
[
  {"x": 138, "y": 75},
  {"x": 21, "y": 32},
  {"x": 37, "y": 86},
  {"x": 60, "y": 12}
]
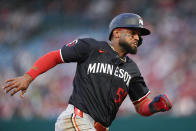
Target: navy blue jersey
[{"x": 102, "y": 79}]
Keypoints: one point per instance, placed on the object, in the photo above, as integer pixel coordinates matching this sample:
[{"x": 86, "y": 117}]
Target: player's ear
[{"x": 116, "y": 34}]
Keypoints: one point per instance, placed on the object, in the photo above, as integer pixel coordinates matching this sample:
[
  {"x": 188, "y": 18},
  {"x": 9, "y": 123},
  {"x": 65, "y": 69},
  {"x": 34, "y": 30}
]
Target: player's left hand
[
  {"x": 17, "y": 84},
  {"x": 160, "y": 103}
]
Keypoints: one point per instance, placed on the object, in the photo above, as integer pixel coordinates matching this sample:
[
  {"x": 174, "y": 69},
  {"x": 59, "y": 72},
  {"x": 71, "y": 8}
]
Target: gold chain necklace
[{"x": 123, "y": 59}]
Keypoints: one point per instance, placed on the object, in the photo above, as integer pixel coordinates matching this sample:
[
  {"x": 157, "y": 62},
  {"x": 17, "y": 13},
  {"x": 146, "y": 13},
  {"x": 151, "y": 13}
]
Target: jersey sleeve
[
  {"x": 137, "y": 86},
  {"x": 138, "y": 89},
  {"x": 75, "y": 51}
]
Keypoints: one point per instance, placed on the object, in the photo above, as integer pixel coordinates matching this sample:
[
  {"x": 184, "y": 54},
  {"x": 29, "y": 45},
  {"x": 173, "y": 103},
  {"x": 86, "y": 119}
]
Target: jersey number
[{"x": 120, "y": 95}]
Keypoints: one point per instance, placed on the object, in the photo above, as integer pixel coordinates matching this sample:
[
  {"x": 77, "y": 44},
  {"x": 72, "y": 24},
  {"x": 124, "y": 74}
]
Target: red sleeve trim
[
  {"x": 45, "y": 63},
  {"x": 141, "y": 99}
]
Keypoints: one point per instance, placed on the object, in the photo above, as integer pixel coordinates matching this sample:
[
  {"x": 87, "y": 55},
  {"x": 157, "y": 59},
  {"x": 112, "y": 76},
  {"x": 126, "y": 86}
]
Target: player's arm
[
  {"x": 75, "y": 51},
  {"x": 147, "y": 107},
  {"x": 139, "y": 92},
  {"x": 45, "y": 63},
  {"x": 42, "y": 65}
]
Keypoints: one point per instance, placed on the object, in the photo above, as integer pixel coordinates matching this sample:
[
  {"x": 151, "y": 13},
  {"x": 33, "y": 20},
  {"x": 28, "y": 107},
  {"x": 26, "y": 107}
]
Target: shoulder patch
[{"x": 72, "y": 43}]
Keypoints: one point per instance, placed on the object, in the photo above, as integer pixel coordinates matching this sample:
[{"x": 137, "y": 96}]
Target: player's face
[{"x": 129, "y": 40}]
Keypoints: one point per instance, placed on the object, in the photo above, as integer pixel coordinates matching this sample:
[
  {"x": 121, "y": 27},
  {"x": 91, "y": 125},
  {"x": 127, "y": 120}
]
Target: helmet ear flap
[{"x": 140, "y": 41}]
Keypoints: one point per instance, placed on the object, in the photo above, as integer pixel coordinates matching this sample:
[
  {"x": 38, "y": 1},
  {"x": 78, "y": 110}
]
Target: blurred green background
[
  {"x": 167, "y": 58},
  {"x": 131, "y": 123}
]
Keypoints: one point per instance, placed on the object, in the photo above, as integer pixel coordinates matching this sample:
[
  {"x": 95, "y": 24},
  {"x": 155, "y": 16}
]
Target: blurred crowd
[{"x": 29, "y": 29}]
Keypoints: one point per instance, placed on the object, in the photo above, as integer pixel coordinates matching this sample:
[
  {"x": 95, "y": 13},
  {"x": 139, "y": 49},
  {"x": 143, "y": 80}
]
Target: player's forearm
[
  {"x": 45, "y": 63},
  {"x": 28, "y": 78},
  {"x": 143, "y": 107}
]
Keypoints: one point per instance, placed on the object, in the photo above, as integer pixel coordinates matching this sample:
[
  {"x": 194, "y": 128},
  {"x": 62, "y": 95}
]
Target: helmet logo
[{"x": 141, "y": 22}]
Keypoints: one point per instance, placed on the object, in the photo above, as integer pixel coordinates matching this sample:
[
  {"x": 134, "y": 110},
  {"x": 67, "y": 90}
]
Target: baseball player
[{"x": 104, "y": 77}]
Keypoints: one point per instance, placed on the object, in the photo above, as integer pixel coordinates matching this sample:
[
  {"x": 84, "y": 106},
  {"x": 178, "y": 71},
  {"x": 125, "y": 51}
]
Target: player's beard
[{"x": 127, "y": 47}]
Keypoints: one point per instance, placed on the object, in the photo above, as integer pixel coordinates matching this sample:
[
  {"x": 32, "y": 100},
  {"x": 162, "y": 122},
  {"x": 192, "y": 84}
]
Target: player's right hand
[
  {"x": 17, "y": 84},
  {"x": 160, "y": 103}
]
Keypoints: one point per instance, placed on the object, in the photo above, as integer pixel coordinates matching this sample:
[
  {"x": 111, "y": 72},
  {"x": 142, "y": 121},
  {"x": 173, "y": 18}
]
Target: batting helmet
[{"x": 128, "y": 20}]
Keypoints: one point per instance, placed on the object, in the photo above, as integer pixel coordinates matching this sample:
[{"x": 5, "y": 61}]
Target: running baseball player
[{"x": 104, "y": 77}]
